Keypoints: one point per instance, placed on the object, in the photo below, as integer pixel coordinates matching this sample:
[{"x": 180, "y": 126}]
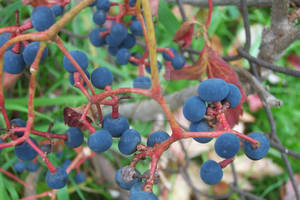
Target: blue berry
[
  {"x": 46, "y": 148},
  {"x": 137, "y": 187},
  {"x": 100, "y": 141},
  {"x": 4, "y": 37},
  {"x": 19, "y": 166},
  {"x": 201, "y": 126},
  {"x": 128, "y": 142},
  {"x": 115, "y": 126},
  {"x": 234, "y": 96},
  {"x": 113, "y": 41},
  {"x": 94, "y": 3},
  {"x": 13, "y": 62},
  {"x": 57, "y": 179},
  {"x": 66, "y": 164},
  {"x": 79, "y": 178},
  {"x": 42, "y": 18},
  {"x": 79, "y": 57},
  {"x": 261, "y": 151},
  {"x": 142, "y": 82},
  {"x": 95, "y": 37},
  {"x": 57, "y": 10},
  {"x": 194, "y": 109},
  {"x": 123, "y": 178},
  {"x": 129, "y": 41},
  {"x": 99, "y": 17},
  {"x": 18, "y": 123},
  {"x": 113, "y": 50},
  {"x": 122, "y": 56},
  {"x": 167, "y": 57},
  {"x": 24, "y": 151},
  {"x": 157, "y": 138},
  {"x": 75, "y": 137},
  {"x": 71, "y": 77},
  {"x": 101, "y": 77},
  {"x": 132, "y": 3},
  {"x": 103, "y": 5},
  {"x": 227, "y": 145},
  {"x": 32, "y": 167},
  {"x": 143, "y": 195},
  {"x": 136, "y": 28},
  {"x": 213, "y": 90},
  {"x": 148, "y": 68},
  {"x": 178, "y": 61},
  {"x": 30, "y": 53},
  {"x": 211, "y": 172},
  {"x": 118, "y": 33}
]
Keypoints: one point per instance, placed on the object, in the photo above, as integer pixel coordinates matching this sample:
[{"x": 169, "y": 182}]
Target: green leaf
[
  {"x": 3, "y": 192},
  {"x": 63, "y": 194},
  {"x": 167, "y": 18},
  {"x": 12, "y": 190}
]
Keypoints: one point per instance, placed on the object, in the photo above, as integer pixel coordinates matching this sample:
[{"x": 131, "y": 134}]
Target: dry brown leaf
[{"x": 287, "y": 192}]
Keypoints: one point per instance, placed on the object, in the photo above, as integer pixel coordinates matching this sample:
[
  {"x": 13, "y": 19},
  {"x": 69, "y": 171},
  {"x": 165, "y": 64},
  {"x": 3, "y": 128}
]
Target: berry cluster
[{"x": 118, "y": 36}]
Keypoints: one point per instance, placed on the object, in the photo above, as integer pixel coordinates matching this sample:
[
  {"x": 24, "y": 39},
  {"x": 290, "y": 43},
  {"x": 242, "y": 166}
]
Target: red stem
[{"x": 7, "y": 173}]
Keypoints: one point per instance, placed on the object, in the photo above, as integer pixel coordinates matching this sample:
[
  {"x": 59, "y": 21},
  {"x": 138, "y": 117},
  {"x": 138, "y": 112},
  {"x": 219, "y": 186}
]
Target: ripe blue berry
[
  {"x": 32, "y": 167},
  {"x": 30, "y": 52},
  {"x": 75, "y": 137},
  {"x": 148, "y": 68},
  {"x": 142, "y": 82},
  {"x": 178, "y": 61},
  {"x": 113, "y": 50},
  {"x": 128, "y": 42},
  {"x": 201, "y": 126},
  {"x": 118, "y": 33},
  {"x": 234, "y": 96},
  {"x": 66, "y": 164},
  {"x": 166, "y": 55},
  {"x": 115, "y": 126},
  {"x": 57, "y": 179},
  {"x": 137, "y": 187},
  {"x": 213, "y": 90},
  {"x": 101, "y": 77},
  {"x": 122, "y": 56},
  {"x": 99, "y": 17},
  {"x": 13, "y": 63},
  {"x": 71, "y": 77},
  {"x": 136, "y": 28},
  {"x": 194, "y": 109},
  {"x": 143, "y": 195},
  {"x": 79, "y": 178},
  {"x": 128, "y": 141},
  {"x": 132, "y": 3},
  {"x": 227, "y": 145},
  {"x": 95, "y": 37},
  {"x": 211, "y": 172},
  {"x": 18, "y": 123},
  {"x": 261, "y": 151},
  {"x": 57, "y": 10},
  {"x": 1, "y": 142},
  {"x": 42, "y": 18},
  {"x": 19, "y": 166},
  {"x": 124, "y": 177},
  {"x": 4, "y": 37},
  {"x": 157, "y": 138},
  {"x": 24, "y": 151},
  {"x": 113, "y": 41},
  {"x": 103, "y": 5},
  {"x": 100, "y": 141},
  {"x": 79, "y": 57}
]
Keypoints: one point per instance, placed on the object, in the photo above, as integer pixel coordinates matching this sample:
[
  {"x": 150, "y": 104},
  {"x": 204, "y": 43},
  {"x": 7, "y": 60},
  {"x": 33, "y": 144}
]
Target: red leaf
[
  {"x": 188, "y": 72},
  {"x": 218, "y": 68},
  {"x": 49, "y": 3},
  {"x": 184, "y": 35},
  {"x": 294, "y": 59}
]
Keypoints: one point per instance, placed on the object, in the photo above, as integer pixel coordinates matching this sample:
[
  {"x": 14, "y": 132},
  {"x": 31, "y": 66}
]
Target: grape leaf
[{"x": 218, "y": 68}]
